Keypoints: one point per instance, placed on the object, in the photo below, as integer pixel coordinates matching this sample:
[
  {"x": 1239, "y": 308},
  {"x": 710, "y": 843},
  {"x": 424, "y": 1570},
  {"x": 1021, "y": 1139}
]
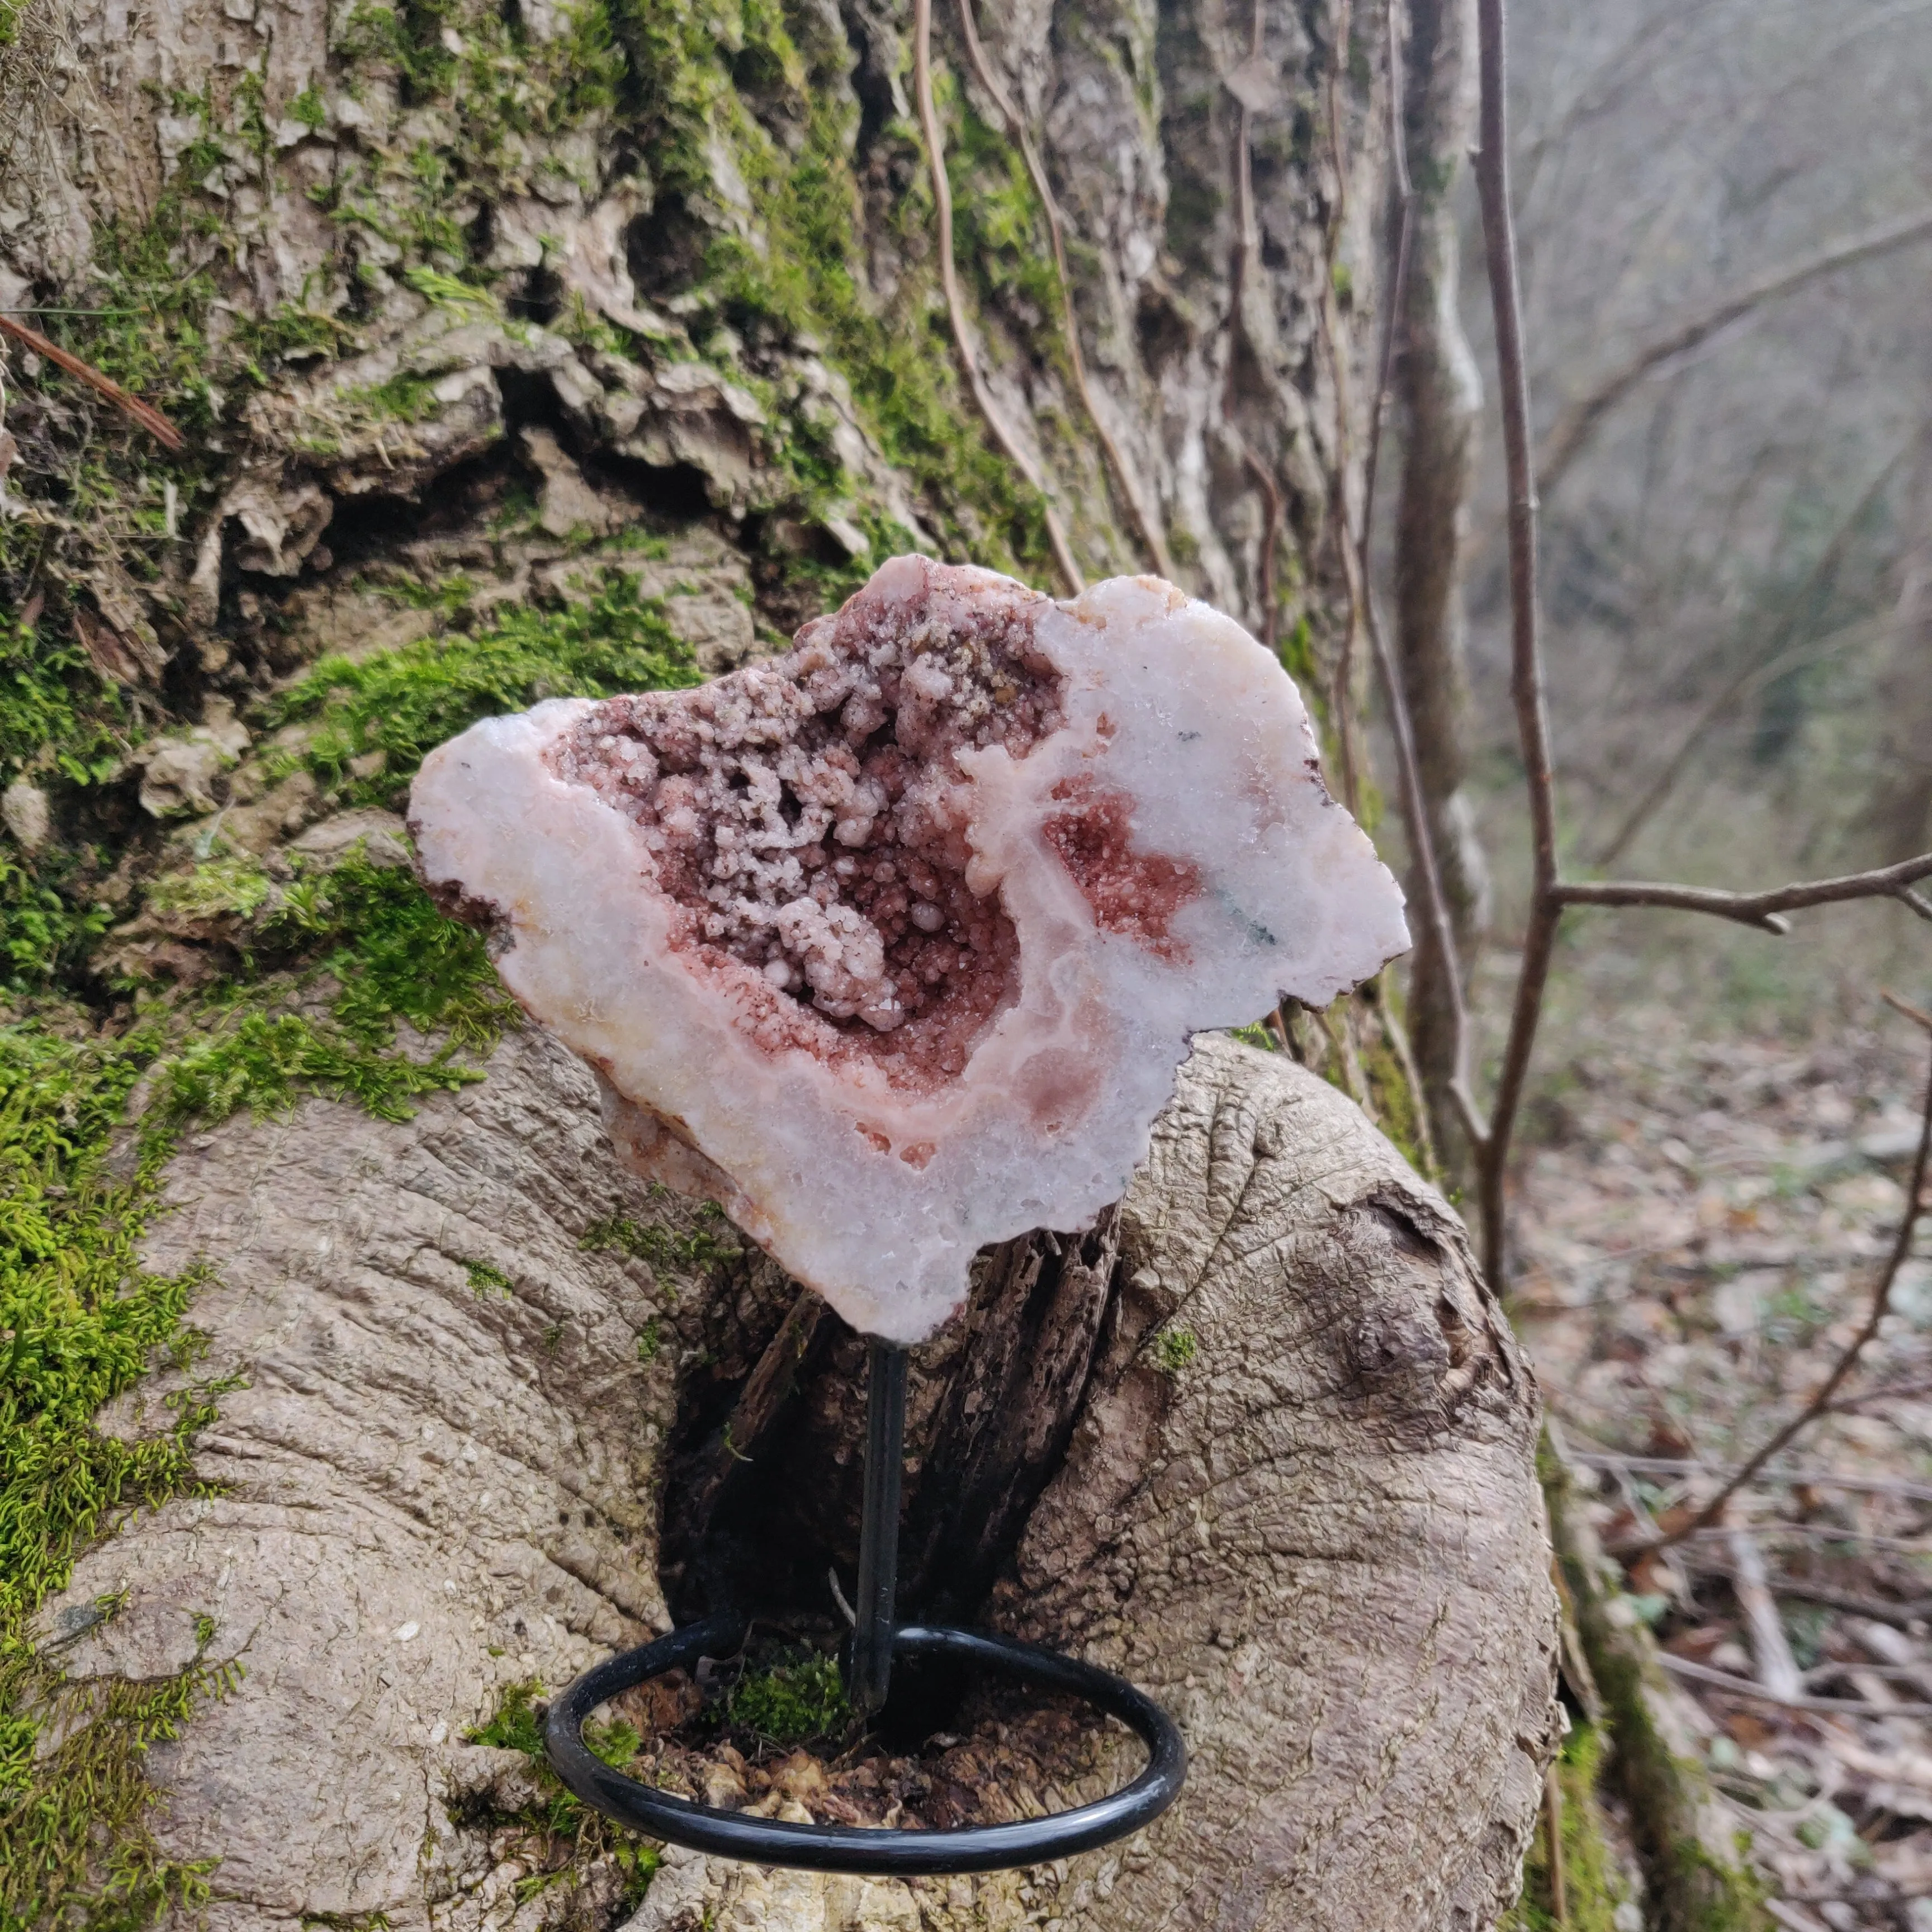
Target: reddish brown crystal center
[
  {"x": 1133, "y": 892},
  {"x": 808, "y": 817}
]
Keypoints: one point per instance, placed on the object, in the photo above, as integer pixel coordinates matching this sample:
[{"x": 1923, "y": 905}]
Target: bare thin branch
[
  {"x": 955, "y": 307},
  {"x": 1526, "y": 681},
  {"x": 1807, "y": 1590},
  {"x": 1404, "y": 202},
  {"x": 150, "y": 419},
  {"x": 1760, "y": 671},
  {"x": 1815, "y": 1479},
  {"x": 1881, "y": 1307},
  {"x": 1917, "y": 1015},
  {"x": 1147, "y": 520},
  {"x": 1742, "y": 1687},
  {"x": 1761, "y": 910},
  {"x": 1553, "y": 1835},
  {"x": 1574, "y": 426}
]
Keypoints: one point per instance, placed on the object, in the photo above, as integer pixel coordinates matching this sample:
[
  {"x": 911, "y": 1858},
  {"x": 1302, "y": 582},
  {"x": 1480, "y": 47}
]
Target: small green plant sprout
[
  {"x": 649, "y": 1341},
  {"x": 800, "y": 1696},
  {"x": 553, "y": 1338},
  {"x": 1175, "y": 1350},
  {"x": 204, "y": 1631},
  {"x": 515, "y": 1726},
  {"x": 486, "y": 1279}
]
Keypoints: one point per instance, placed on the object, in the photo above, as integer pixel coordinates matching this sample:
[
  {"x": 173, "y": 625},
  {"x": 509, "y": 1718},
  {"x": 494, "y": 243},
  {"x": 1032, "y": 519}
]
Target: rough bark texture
[
  {"x": 431, "y": 1489},
  {"x": 1318, "y": 1541},
  {"x": 347, "y": 159},
  {"x": 518, "y": 347},
  {"x": 1441, "y": 395}
]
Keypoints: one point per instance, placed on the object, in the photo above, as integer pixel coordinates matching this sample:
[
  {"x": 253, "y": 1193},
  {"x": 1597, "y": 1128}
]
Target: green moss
[
  {"x": 310, "y": 109},
  {"x": 650, "y": 1340},
  {"x": 61, "y": 725},
  {"x": 1176, "y": 1350},
  {"x": 393, "y": 957},
  {"x": 56, "y": 712},
  {"x": 80, "y": 1321},
  {"x": 403, "y": 702},
  {"x": 47, "y": 929},
  {"x": 687, "y": 1253},
  {"x": 1690, "y": 1888},
  {"x": 563, "y": 1835},
  {"x": 234, "y": 882},
  {"x": 1593, "y": 1888},
  {"x": 799, "y": 1696},
  {"x": 484, "y": 1279},
  {"x": 1000, "y": 226},
  {"x": 899, "y": 362}
]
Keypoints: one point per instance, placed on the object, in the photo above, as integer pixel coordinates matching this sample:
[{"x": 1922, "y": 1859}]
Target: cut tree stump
[{"x": 1290, "y": 1489}]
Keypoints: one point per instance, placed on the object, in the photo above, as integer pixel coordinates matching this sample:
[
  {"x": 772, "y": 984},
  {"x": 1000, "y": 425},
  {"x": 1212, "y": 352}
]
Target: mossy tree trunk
[{"x": 520, "y": 349}]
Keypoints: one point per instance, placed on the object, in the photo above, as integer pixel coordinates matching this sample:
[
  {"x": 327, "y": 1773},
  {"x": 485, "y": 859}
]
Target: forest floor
[{"x": 1698, "y": 1227}]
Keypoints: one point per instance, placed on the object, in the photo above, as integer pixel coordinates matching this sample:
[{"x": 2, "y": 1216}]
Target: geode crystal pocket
[{"x": 891, "y": 945}]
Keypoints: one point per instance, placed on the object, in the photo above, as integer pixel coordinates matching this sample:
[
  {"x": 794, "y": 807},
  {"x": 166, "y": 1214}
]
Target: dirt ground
[{"x": 1699, "y": 1226}]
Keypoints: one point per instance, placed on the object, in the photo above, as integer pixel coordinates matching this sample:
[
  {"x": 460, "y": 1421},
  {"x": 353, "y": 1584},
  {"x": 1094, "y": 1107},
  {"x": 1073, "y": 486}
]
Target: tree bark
[
  {"x": 1441, "y": 395},
  {"x": 1317, "y": 1540},
  {"x": 512, "y": 344}
]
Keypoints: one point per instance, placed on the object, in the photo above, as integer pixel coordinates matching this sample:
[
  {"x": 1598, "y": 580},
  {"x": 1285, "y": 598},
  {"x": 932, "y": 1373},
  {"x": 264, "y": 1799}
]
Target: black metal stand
[
  {"x": 869, "y": 1675},
  {"x": 877, "y": 1640}
]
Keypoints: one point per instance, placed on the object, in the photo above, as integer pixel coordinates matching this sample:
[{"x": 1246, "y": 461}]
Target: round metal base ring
[{"x": 854, "y": 1848}]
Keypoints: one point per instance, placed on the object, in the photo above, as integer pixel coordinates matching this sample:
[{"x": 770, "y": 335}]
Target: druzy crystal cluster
[{"x": 891, "y": 945}]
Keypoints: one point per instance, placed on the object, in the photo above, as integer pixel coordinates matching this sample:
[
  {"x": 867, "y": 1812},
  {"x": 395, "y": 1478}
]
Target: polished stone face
[{"x": 892, "y": 945}]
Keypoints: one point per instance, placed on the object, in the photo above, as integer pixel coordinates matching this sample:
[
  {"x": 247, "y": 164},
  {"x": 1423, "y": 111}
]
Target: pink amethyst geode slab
[{"x": 891, "y": 945}]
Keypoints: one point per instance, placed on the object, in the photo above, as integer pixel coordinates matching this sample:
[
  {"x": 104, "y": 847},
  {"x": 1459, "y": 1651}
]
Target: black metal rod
[{"x": 871, "y": 1674}]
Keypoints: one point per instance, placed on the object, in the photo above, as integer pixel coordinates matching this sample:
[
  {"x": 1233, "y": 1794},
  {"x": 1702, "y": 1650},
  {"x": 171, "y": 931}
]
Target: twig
[
  {"x": 1146, "y": 522},
  {"x": 955, "y": 307},
  {"x": 1814, "y": 1479},
  {"x": 1526, "y": 684},
  {"x": 150, "y": 419},
  {"x": 1761, "y": 910},
  {"x": 1742, "y": 1687},
  {"x": 1573, "y": 427},
  {"x": 1917, "y": 1015},
  {"x": 1777, "y": 1669},
  {"x": 1405, "y": 202},
  {"x": 1881, "y": 1307},
  {"x": 1810, "y": 1532},
  {"x": 1247, "y": 249},
  {"x": 1342, "y": 699},
  {"x": 1875, "y": 1608}
]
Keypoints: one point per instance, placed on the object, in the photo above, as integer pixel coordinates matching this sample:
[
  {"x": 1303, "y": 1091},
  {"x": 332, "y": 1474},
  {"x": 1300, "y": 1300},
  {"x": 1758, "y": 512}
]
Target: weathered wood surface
[{"x": 1318, "y": 1541}]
